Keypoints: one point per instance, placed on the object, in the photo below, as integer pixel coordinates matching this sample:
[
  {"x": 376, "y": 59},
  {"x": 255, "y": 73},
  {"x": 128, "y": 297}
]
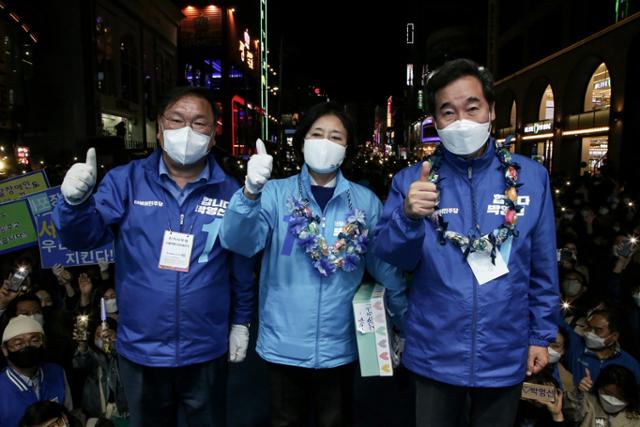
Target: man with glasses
[
  {"x": 28, "y": 379},
  {"x": 183, "y": 300}
]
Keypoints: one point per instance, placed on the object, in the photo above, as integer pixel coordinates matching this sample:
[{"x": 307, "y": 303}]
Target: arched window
[
  {"x": 513, "y": 115},
  {"x": 128, "y": 69},
  {"x": 598, "y": 93},
  {"x": 546, "y": 105}
]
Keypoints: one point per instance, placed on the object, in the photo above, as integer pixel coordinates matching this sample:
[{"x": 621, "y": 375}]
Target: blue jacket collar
[
  {"x": 216, "y": 174},
  {"x": 342, "y": 184},
  {"x": 478, "y": 164},
  {"x": 20, "y": 381}
]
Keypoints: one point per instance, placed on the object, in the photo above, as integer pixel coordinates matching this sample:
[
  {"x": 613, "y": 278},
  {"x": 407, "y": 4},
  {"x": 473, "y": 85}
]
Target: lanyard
[{"x": 181, "y": 219}]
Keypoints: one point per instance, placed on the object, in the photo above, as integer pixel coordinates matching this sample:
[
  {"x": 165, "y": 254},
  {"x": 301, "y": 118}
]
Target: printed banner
[
  {"x": 17, "y": 187},
  {"x": 52, "y": 251},
  {"x": 16, "y": 227}
]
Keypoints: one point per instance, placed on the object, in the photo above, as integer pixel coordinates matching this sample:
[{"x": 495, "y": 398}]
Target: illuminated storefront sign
[
  {"x": 22, "y": 155},
  {"x": 244, "y": 47},
  {"x": 537, "y": 127}
]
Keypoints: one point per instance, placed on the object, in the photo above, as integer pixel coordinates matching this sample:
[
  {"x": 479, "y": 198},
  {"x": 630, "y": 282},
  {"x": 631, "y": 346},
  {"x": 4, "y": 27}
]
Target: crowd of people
[{"x": 551, "y": 296}]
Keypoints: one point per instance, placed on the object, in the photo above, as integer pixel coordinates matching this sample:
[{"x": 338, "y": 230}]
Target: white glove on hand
[
  {"x": 258, "y": 169},
  {"x": 238, "y": 343},
  {"x": 80, "y": 180},
  {"x": 104, "y": 265},
  {"x": 398, "y": 348}
]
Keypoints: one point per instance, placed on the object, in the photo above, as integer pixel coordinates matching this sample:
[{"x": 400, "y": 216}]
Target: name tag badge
[
  {"x": 337, "y": 227},
  {"x": 176, "y": 251},
  {"x": 483, "y": 268}
]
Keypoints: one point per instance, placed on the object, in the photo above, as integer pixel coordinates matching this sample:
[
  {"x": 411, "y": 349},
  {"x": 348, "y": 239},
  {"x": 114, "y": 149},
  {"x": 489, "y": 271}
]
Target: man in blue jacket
[
  {"x": 28, "y": 379},
  {"x": 177, "y": 288},
  {"x": 475, "y": 225}
]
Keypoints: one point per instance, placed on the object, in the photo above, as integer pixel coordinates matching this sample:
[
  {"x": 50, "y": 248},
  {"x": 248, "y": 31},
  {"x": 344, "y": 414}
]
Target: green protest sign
[{"x": 16, "y": 227}]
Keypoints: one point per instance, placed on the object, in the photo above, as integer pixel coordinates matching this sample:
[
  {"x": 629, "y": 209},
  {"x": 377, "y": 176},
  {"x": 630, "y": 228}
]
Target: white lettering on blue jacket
[
  {"x": 166, "y": 318},
  {"x": 306, "y": 320},
  {"x": 457, "y": 331}
]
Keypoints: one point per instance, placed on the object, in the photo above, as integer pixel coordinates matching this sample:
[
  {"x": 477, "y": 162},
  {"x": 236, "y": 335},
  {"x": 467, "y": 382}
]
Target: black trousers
[
  {"x": 445, "y": 405},
  {"x": 304, "y": 396},
  {"x": 188, "y": 396}
]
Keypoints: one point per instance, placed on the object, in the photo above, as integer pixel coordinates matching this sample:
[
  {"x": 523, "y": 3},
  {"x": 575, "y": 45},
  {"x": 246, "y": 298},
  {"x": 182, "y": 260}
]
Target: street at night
[{"x": 253, "y": 213}]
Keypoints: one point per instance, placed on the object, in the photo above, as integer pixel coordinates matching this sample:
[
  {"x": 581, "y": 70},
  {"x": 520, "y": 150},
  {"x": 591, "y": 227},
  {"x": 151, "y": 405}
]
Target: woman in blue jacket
[{"x": 316, "y": 231}]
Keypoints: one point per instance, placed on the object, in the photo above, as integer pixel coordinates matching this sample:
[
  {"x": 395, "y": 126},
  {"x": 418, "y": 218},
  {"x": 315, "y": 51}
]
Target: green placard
[
  {"x": 16, "y": 227},
  {"x": 22, "y": 185}
]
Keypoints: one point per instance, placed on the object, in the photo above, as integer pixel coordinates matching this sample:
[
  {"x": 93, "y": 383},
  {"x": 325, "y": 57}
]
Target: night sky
[
  {"x": 347, "y": 48},
  {"x": 356, "y": 50}
]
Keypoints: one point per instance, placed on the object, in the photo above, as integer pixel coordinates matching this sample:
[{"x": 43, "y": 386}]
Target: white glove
[
  {"x": 104, "y": 266},
  {"x": 238, "y": 343},
  {"x": 258, "y": 169},
  {"x": 80, "y": 179},
  {"x": 398, "y": 348}
]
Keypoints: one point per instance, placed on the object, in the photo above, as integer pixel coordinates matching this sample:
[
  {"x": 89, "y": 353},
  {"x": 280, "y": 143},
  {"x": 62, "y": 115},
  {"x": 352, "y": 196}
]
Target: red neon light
[{"x": 234, "y": 121}]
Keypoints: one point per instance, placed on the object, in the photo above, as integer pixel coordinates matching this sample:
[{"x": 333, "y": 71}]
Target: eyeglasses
[
  {"x": 20, "y": 343},
  {"x": 199, "y": 125}
]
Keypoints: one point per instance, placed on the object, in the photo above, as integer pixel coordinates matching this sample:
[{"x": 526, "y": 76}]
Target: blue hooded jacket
[
  {"x": 457, "y": 331},
  {"x": 166, "y": 318},
  {"x": 306, "y": 319}
]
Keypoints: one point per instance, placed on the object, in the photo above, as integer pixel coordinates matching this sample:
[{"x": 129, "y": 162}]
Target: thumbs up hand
[
  {"x": 80, "y": 180},
  {"x": 258, "y": 171},
  {"x": 586, "y": 382},
  {"x": 422, "y": 197}
]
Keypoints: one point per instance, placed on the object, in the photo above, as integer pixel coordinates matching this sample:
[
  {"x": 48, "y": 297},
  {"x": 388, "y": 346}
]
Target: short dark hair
[
  {"x": 612, "y": 316},
  {"x": 43, "y": 411},
  {"x": 178, "y": 92},
  {"x": 625, "y": 380},
  {"x": 453, "y": 70},
  {"x": 12, "y": 308},
  {"x": 320, "y": 110}
]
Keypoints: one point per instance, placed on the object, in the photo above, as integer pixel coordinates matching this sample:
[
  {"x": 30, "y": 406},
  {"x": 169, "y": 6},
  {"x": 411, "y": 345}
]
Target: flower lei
[
  {"x": 345, "y": 253},
  {"x": 490, "y": 242}
]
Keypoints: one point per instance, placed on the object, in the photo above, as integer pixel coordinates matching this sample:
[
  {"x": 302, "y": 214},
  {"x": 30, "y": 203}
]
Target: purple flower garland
[{"x": 344, "y": 254}]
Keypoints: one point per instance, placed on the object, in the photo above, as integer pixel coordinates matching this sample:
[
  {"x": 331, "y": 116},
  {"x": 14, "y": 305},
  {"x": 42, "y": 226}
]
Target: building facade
[
  {"x": 88, "y": 73},
  {"x": 576, "y": 110}
]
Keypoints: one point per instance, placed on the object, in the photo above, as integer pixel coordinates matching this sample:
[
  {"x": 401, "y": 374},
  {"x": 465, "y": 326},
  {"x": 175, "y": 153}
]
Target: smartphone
[{"x": 16, "y": 281}]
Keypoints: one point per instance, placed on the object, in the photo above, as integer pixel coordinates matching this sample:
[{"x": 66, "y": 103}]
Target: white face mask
[
  {"x": 322, "y": 155},
  {"x": 464, "y": 137},
  {"x": 571, "y": 287},
  {"x": 184, "y": 145},
  {"x": 111, "y": 306},
  {"x": 636, "y": 297},
  {"x": 593, "y": 342},
  {"x": 611, "y": 404},
  {"x": 554, "y": 356},
  {"x": 99, "y": 344},
  {"x": 38, "y": 317}
]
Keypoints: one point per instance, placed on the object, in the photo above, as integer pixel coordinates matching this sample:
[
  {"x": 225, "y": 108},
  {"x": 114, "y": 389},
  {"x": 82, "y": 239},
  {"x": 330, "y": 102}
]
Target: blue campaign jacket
[
  {"x": 306, "y": 320},
  {"x": 457, "y": 331},
  {"x": 16, "y": 395},
  {"x": 166, "y": 318}
]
